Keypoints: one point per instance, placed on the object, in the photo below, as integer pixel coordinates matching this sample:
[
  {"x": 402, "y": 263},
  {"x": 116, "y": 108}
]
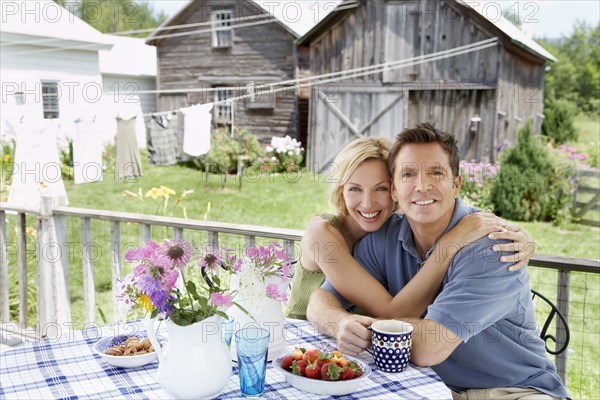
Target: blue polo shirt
[{"x": 483, "y": 303}]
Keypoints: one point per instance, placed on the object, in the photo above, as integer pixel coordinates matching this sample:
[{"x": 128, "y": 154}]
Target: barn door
[{"x": 343, "y": 114}]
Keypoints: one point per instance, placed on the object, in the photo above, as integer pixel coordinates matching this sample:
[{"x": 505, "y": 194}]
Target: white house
[
  {"x": 54, "y": 65},
  {"x": 50, "y": 64}
]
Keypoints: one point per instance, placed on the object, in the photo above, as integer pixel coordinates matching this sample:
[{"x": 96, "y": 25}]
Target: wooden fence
[
  {"x": 53, "y": 305},
  {"x": 586, "y": 181}
]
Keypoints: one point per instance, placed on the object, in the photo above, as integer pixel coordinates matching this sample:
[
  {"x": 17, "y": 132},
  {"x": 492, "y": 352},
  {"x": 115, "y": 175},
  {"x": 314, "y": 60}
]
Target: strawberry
[
  {"x": 298, "y": 353},
  {"x": 311, "y": 355},
  {"x": 299, "y": 367},
  {"x": 355, "y": 368},
  {"x": 346, "y": 374},
  {"x": 286, "y": 363},
  {"x": 323, "y": 358},
  {"x": 339, "y": 359},
  {"x": 313, "y": 370},
  {"x": 330, "y": 372}
]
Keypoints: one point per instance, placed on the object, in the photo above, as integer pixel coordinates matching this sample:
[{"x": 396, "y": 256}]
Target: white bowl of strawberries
[{"x": 320, "y": 372}]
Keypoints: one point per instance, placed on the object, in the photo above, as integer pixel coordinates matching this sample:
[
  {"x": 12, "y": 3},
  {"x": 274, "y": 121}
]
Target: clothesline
[
  {"x": 347, "y": 74},
  {"x": 160, "y": 28}
]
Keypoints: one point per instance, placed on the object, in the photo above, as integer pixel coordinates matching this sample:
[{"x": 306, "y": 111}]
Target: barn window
[
  {"x": 222, "y": 35},
  {"x": 223, "y": 109},
  {"x": 50, "y": 99}
]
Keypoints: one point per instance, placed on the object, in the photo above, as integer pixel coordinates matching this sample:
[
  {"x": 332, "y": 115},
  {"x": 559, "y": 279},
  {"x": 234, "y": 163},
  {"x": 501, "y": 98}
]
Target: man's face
[{"x": 423, "y": 185}]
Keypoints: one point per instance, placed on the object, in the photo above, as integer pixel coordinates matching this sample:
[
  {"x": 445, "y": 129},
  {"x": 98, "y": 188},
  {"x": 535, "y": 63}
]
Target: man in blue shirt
[{"x": 479, "y": 335}]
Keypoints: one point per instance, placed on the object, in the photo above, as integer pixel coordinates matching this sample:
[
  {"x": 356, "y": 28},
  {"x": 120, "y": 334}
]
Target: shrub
[
  {"x": 559, "y": 120},
  {"x": 559, "y": 198},
  {"x": 520, "y": 189},
  {"x": 477, "y": 182},
  {"x": 284, "y": 154}
]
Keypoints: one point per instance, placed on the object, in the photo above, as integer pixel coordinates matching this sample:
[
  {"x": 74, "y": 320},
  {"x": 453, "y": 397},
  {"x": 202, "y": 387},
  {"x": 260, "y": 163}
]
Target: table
[{"x": 67, "y": 368}]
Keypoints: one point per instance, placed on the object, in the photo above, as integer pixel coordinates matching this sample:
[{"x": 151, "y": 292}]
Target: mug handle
[{"x": 370, "y": 349}]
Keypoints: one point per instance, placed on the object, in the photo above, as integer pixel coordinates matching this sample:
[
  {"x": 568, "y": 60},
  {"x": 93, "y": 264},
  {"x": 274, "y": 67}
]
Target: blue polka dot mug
[{"x": 391, "y": 344}]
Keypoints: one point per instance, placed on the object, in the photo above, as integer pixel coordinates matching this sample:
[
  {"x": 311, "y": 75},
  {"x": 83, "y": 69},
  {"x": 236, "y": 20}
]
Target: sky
[{"x": 541, "y": 19}]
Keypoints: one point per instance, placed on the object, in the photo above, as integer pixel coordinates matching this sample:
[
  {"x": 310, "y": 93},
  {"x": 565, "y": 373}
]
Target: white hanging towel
[
  {"x": 37, "y": 167},
  {"x": 87, "y": 153},
  {"x": 196, "y": 129}
]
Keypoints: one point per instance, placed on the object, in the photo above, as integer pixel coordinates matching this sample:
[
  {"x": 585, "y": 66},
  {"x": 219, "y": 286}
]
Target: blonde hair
[{"x": 349, "y": 159}]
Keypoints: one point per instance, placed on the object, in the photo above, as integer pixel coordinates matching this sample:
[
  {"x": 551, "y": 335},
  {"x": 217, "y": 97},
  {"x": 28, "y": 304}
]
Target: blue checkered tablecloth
[{"x": 67, "y": 368}]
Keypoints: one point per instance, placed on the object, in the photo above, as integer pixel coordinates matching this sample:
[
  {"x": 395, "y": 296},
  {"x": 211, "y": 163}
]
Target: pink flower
[
  {"x": 219, "y": 299},
  {"x": 272, "y": 290}
]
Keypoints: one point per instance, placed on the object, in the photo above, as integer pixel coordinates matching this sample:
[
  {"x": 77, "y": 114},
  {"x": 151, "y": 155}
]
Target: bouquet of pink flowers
[{"x": 188, "y": 287}]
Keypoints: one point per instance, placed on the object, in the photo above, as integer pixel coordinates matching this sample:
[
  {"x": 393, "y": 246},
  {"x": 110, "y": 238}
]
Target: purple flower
[{"x": 210, "y": 261}]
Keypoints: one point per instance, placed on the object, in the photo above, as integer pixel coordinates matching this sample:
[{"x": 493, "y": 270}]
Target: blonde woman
[{"x": 361, "y": 197}]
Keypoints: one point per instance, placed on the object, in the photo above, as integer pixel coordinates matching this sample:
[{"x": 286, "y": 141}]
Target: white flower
[{"x": 251, "y": 288}]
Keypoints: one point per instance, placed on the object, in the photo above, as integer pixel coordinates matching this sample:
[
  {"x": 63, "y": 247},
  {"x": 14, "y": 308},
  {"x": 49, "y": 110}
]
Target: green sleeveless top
[{"x": 305, "y": 281}]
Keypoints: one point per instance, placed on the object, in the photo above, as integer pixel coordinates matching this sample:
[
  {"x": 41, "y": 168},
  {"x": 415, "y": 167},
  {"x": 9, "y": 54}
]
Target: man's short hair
[{"x": 424, "y": 132}]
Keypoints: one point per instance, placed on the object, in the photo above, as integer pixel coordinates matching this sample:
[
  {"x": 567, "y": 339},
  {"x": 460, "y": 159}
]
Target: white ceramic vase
[
  {"x": 270, "y": 317},
  {"x": 196, "y": 362}
]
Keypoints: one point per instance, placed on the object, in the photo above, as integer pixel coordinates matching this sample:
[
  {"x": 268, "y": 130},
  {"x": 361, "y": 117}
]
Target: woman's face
[{"x": 367, "y": 195}]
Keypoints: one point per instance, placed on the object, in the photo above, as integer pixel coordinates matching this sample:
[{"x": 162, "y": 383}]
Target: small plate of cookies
[{"x": 127, "y": 351}]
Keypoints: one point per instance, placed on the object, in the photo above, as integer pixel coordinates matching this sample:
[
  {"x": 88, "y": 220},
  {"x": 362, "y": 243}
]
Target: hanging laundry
[
  {"x": 162, "y": 139},
  {"x": 87, "y": 152},
  {"x": 37, "y": 167},
  {"x": 197, "y": 127},
  {"x": 128, "y": 153}
]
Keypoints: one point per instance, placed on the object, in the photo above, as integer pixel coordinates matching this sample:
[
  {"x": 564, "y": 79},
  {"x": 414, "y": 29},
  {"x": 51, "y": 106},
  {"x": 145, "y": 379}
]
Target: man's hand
[{"x": 352, "y": 335}]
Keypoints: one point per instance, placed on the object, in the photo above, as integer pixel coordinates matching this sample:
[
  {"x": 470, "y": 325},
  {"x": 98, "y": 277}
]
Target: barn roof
[
  {"x": 163, "y": 28},
  {"x": 515, "y": 35}
]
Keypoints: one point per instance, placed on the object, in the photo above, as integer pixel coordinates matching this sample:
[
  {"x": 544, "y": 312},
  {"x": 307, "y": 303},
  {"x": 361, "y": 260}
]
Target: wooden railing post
[
  {"x": 562, "y": 298},
  {"x": 22, "y": 262},
  {"x": 116, "y": 264},
  {"x": 4, "y": 310},
  {"x": 54, "y": 306},
  {"x": 89, "y": 290}
]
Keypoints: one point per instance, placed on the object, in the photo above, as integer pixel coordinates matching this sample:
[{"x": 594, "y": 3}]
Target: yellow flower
[
  {"x": 153, "y": 193},
  {"x": 7, "y": 158},
  {"x": 165, "y": 191},
  {"x": 145, "y": 302}
]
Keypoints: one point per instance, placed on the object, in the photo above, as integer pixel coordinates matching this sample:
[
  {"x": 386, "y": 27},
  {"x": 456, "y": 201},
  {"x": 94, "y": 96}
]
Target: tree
[
  {"x": 115, "y": 15},
  {"x": 576, "y": 76}
]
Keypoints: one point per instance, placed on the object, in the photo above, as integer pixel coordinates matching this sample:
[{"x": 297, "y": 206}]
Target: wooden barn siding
[
  {"x": 452, "y": 111},
  {"x": 358, "y": 104},
  {"x": 262, "y": 53},
  {"x": 352, "y": 42},
  {"x": 520, "y": 94},
  {"x": 378, "y": 31}
]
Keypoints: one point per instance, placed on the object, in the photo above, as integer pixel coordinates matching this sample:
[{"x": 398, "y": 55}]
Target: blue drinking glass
[
  {"x": 227, "y": 330},
  {"x": 252, "y": 345}
]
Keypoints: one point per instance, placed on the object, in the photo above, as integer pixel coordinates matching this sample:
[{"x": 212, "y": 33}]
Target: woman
[{"x": 361, "y": 197}]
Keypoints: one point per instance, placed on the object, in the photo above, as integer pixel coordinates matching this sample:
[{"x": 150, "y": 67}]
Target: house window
[
  {"x": 222, "y": 35},
  {"x": 223, "y": 110},
  {"x": 50, "y": 99}
]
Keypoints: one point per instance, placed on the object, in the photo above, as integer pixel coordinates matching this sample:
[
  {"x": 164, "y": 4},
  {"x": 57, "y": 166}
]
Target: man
[{"x": 479, "y": 335}]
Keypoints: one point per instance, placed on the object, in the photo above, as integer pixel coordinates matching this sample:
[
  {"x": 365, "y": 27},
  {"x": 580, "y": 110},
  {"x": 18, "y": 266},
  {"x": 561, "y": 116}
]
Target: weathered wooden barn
[
  {"x": 481, "y": 96},
  {"x": 230, "y": 47}
]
